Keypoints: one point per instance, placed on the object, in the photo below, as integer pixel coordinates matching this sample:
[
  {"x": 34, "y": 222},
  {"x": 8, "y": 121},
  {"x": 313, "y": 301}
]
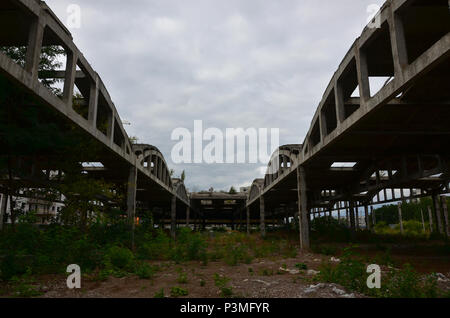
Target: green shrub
[
  {"x": 222, "y": 283},
  {"x": 119, "y": 257},
  {"x": 159, "y": 294},
  {"x": 144, "y": 270},
  {"x": 178, "y": 292}
]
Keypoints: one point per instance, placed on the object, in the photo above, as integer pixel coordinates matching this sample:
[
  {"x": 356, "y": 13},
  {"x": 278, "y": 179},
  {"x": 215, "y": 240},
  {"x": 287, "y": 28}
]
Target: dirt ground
[{"x": 263, "y": 278}]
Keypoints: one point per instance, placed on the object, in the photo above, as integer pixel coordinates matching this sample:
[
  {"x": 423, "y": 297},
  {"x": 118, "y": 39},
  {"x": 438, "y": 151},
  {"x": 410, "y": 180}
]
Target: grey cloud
[{"x": 234, "y": 63}]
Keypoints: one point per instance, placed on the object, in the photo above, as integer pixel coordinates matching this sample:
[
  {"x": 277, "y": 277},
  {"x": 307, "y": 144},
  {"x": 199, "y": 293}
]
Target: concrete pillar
[
  {"x": 430, "y": 219},
  {"x": 93, "y": 104},
  {"x": 437, "y": 212},
  {"x": 32, "y": 58},
  {"x": 232, "y": 221},
  {"x": 262, "y": 216},
  {"x": 173, "y": 217},
  {"x": 111, "y": 124},
  {"x": 374, "y": 218},
  {"x": 366, "y": 217},
  {"x": 3, "y": 207},
  {"x": 302, "y": 209},
  {"x": 248, "y": 220},
  {"x": 131, "y": 200},
  {"x": 357, "y": 218},
  {"x": 69, "y": 80},
  {"x": 423, "y": 221},
  {"x": 339, "y": 98},
  {"x": 188, "y": 212},
  {"x": 445, "y": 210},
  {"x": 352, "y": 218},
  {"x": 363, "y": 75},
  {"x": 398, "y": 42},
  {"x": 400, "y": 219},
  {"x": 347, "y": 219}
]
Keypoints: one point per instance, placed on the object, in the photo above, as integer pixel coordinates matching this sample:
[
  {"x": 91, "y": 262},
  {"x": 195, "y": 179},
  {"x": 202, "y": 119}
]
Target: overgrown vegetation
[{"x": 350, "y": 272}]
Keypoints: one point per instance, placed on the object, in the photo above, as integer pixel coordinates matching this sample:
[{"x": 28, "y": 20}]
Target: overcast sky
[{"x": 230, "y": 63}]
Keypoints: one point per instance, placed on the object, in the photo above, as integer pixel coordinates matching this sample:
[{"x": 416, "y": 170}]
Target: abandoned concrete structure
[{"x": 366, "y": 144}]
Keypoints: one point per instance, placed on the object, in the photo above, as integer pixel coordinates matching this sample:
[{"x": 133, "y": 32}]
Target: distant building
[{"x": 45, "y": 210}]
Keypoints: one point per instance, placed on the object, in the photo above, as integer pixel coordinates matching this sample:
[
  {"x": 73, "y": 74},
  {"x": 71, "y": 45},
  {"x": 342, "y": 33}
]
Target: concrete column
[
  {"x": 262, "y": 216},
  {"x": 423, "y": 221},
  {"x": 430, "y": 219},
  {"x": 357, "y": 218},
  {"x": 363, "y": 75},
  {"x": 33, "y": 57},
  {"x": 173, "y": 216},
  {"x": 323, "y": 126},
  {"x": 339, "y": 98},
  {"x": 352, "y": 217},
  {"x": 445, "y": 210},
  {"x": 188, "y": 212},
  {"x": 93, "y": 104},
  {"x": 374, "y": 218},
  {"x": 232, "y": 221},
  {"x": 69, "y": 80},
  {"x": 347, "y": 219},
  {"x": 398, "y": 43},
  {"x": 437, "y": 212},
  {"x": 110, "y": 129},
  {"x": 3, "y": 208},
  {"x": 302, "y": 209},
  {"x": 248, "y": 220},
  {"x": 131, "y": 200},
  {"x": 366, "y": 217},
  {"x": 400, "y": 219}
]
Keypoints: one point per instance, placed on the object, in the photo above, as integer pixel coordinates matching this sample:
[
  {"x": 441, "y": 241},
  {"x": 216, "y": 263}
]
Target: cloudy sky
[{"x": 230, "y": 63}]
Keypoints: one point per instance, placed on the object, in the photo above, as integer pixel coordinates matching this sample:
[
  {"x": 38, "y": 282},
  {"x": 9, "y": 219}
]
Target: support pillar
[
  {"x": 445, "y": 210},
  {"x": 400, "y": 219},
  {"x": 173, "y": 217},
  {"x": 357, "y": 218},
  {"x": 374, "y": 218},
  {"x": 33, "y": 57},
  {"x": 3, "y": 208},
  {"x": 352, "y": 218},
  {"x": 188, "y": 212},
  {"x": 437, "y": 212},
  {"x": 302, "y": 209},
  {"x": 366, "y": 217},
  {"x": 423, "y": 221},
  {"x": 131, "y": 201},
  {"x": 262, "y": 216},
  {"x": 248, "y": 220},
  {"x": 430, "y": 219}
]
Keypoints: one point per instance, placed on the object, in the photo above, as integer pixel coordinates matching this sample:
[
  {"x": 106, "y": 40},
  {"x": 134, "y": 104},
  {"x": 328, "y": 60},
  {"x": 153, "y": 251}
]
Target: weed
[
  {"x": 301, "y": 266},
  {"x": 159, "y": 294},
  {"x": 178, "y": 292},
  {"x": 222, "y": 283}
]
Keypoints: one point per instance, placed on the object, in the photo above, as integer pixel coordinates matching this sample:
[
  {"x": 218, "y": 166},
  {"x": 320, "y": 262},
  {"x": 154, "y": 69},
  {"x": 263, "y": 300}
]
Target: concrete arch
[
  {"x": 151, "y": 159},
  {"x": 284, "y": 159}
]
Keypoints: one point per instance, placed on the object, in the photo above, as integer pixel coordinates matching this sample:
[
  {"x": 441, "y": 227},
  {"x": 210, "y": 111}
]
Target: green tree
[{"x": 232, "y": 190}]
